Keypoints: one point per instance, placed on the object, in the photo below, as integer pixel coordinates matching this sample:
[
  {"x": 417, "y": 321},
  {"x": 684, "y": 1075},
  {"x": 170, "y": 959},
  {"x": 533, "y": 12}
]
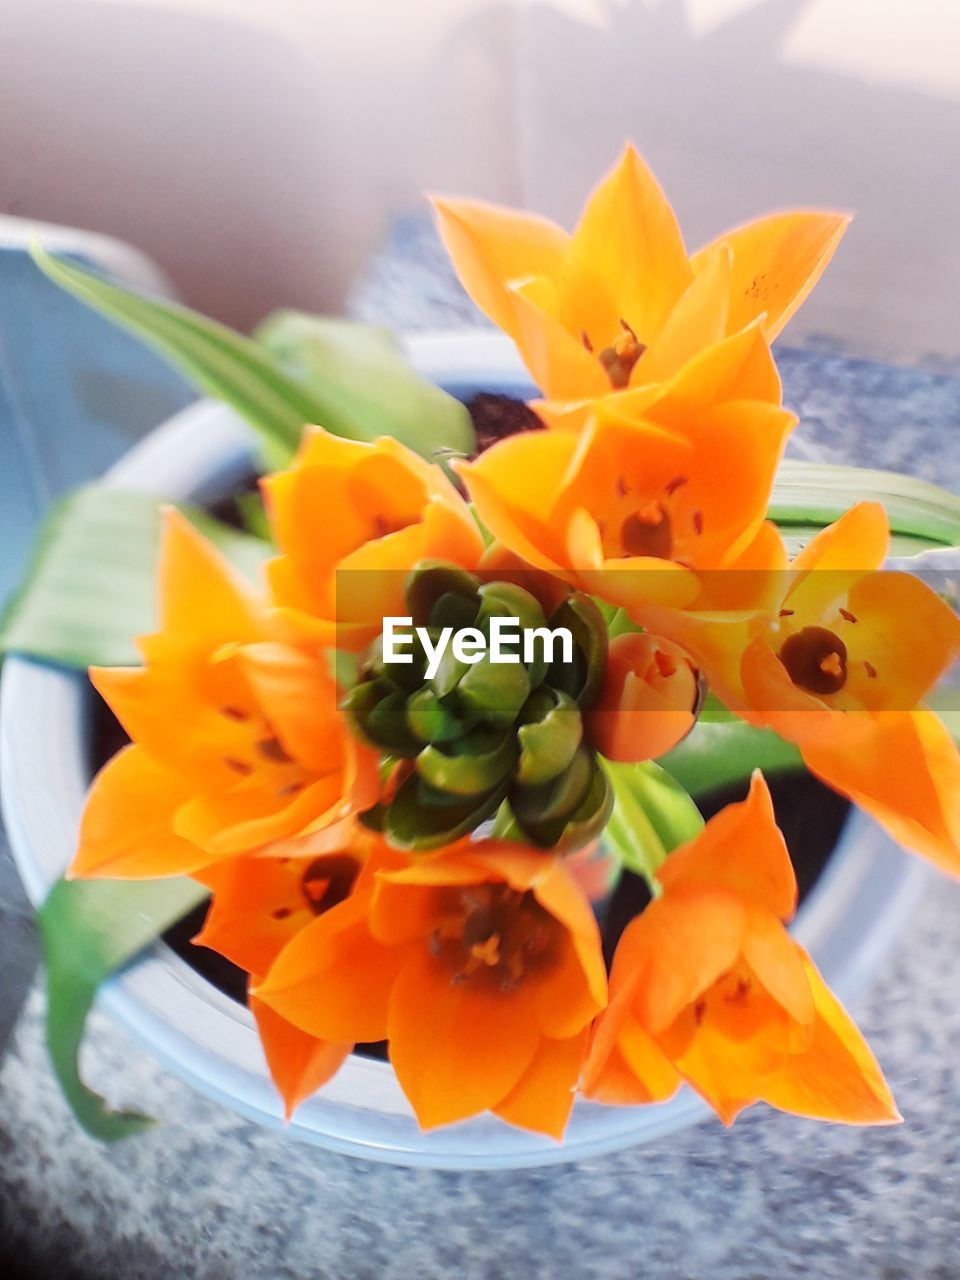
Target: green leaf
[
  {"x": 816, "y": 494},
  {"x": 90, "y": 588},
  {"x": 216, "y": 359},
  {"x": 365, "y": 388},
  {"x": 88, "y": 928},
  {"x": 717, "y": 755},
  {"x": 652, "y": 815}
]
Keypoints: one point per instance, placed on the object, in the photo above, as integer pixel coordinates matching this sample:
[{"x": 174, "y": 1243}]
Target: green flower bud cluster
[{"x": 480, "y": 738}]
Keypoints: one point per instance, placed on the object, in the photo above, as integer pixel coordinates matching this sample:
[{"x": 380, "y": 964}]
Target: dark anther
[
  {"x": 234, "y": 713},
  {"x": 238, "y": 766},
  {"x": 272, "y": 749},
  {"x": 870, "y": 669},
  {"x": 816, "y": 660},
  {"x": 282, "y": 913},
  {"x": 698, "y": 523},
  {"x": 676, "y": 483},
  {"x": 847, "y": 615},
  {"x": 585, "y": 339}
]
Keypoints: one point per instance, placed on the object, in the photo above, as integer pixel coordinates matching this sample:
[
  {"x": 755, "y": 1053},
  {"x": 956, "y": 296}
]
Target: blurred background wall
[{"x": 257, "y": 149}]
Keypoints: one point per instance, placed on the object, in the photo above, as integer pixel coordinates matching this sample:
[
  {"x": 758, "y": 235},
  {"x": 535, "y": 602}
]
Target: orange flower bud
[{"x": 648, "y": 700}]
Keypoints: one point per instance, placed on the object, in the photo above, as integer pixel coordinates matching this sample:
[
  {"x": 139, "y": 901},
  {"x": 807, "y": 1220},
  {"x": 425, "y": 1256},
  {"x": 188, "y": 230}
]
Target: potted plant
[{"x": 328, "y": 795}]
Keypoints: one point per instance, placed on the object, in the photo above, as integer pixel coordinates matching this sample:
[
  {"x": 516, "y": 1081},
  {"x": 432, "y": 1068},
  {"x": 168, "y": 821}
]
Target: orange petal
[
  {"x": 676, "y": 950},
  {"x": 201, "y": 594},
  {"x": 777, "y": 260},
  {"x": 251, "y": 814},
  {"x": 626, "y": 259},
  {"x": 625, "y": 1065},
  {"x": 542, "y": 1098},
  {"x": 258, "y": 906},
  {"x": 333, "y": 980},
  {"x": 127, "y": 826},
  {"x": 515, "y": 486},
  {"x": 904, "y": 772},
  {"x": 837, "y": 1077},
  {"x": 859, "y": 540},
  {"x": 298, "y": 696},
  {"x": 778, "y": 962},
  {"x": 742, "y": 850},
  {"x": 493, "y": 248},
  {"x": 908, "y": 634},
  {"x": 697, "y": 321},
  {"x": 457, "y": 1049},
  {"x": 299, "y": 1064}
]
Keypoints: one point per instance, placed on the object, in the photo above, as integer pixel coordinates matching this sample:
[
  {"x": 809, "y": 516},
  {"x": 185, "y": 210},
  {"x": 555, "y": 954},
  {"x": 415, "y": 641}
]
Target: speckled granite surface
[{"x": 209, "y": 1196}]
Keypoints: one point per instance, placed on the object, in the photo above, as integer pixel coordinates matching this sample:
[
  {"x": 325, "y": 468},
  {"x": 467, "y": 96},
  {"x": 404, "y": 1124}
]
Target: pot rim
[{"x": 848, "y": 921}]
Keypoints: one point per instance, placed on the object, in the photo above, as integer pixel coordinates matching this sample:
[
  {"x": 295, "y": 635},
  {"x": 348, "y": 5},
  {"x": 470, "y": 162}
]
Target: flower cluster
[{"x": 392, "y": 849}]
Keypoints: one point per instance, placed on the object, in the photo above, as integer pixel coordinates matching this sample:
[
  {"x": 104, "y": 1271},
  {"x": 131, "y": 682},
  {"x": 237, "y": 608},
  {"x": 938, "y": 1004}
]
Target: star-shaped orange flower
[{"x": 619, "y": 303}]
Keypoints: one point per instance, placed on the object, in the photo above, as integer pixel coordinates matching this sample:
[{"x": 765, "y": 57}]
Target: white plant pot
[{"x": 851, "y": 917}]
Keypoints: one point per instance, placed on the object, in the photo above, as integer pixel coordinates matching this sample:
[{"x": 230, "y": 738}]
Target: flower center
[
  {"x": 328, "y": 880},
  {"x": 618, "y": 360},
  {"x": 648, "y": 532},
  {"x": 815, "y": 660},
  {"x": 493, "y": 934}
]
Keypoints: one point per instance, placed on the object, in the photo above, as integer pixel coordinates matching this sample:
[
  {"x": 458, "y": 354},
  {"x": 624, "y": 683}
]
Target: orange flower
[
  {"x": 708, "y": 986},
  {"x": 619, "y": 303},
  {"x": 648, "y": 699},
  {"x": 839, "y": 661},
  {"x": 842, "y": 668},
  {"x": 259, "y": 904},
  {"x": 481, "y": 965},
  {"x": 631, "y": 507},
  {"x": 237, "y": 739},
  {"x": 350, "y": 519}
]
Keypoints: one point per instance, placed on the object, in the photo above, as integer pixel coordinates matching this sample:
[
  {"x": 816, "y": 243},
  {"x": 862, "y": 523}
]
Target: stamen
[
  {"x": 787, "y": 613},
  {"x": 282, "y": 913},
  {"x": 618, "y": 360},
  {"x": 676, "y": 483},
  {"x": 648, "y": 532},
  {"x": 328, "y": 880},
  {"x": 665, "y": 665},
  {"x": 698, "y": 523},
  {"x": 234, "y": 713},
  {"x": 847, "y": 615},
  {"x": 238, "y": 766},
  {"x": 622, "y": 487},
  {"x": 870, "y": 669},
  {"x": 831, "y": 665},
  {"x": 585, "y": 339}
]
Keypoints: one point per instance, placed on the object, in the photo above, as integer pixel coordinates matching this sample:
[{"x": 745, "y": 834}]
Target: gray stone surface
[{"x": 209, "y": 1196}]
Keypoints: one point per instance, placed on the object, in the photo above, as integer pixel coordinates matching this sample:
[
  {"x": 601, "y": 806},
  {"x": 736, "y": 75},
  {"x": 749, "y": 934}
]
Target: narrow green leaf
[
  {"x": 88, "y": 929},
  {"x": 652, "y": 815},
  {"x": 219, "y": 361},
  {"x": 363, "y": 385},
  {"x": 717, "y": 755},
  {"x": 90, "y": 588},
  {"x": 807, "y": 493}
]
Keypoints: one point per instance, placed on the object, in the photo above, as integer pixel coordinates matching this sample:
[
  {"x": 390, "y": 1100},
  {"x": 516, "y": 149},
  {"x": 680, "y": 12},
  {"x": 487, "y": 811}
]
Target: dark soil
[{"x": 496, "y": 417}]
